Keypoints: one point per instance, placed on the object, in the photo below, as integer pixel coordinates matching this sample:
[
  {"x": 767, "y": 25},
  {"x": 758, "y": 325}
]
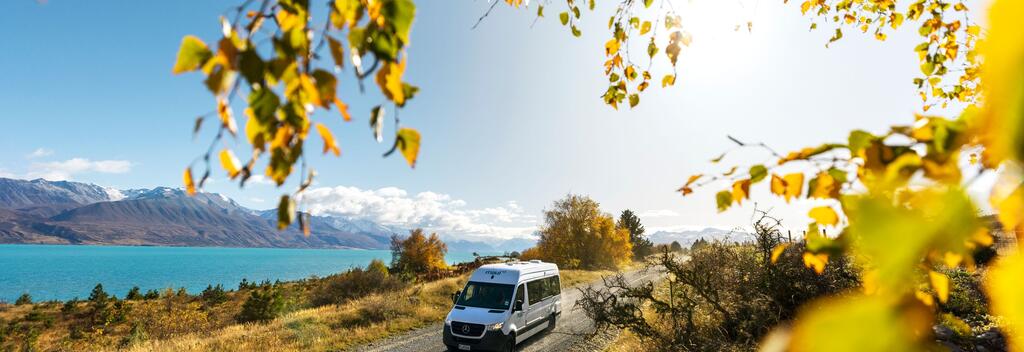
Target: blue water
[{"x": 63, "y": 272}]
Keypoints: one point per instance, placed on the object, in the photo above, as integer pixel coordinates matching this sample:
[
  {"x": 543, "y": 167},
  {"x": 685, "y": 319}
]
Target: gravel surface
[{"x": 573, "y": 332}]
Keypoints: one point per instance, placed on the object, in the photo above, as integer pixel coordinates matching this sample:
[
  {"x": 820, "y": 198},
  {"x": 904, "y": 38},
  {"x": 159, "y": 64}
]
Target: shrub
[
  {"x": 151, "y": 294},
  {"x": 134, "y": 294},
  {"x": 355, "y": 283},
  {"x": 725, "y": 297},
  {"x": 377, "y": 265},
  {"x": 24, "y": 299},
  {"x": 264, "y": 303},
  {"x": 214, "y": 295},
  {"x": 70, "y": 306}
]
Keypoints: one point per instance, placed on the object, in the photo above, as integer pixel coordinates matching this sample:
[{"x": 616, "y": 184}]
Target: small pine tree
[
  {"x": 99, "y": 301},
  {"x": 214, "y": 295},
  {"x": 675, "y": 246},
  {"x": 642, "y": 247},
  {"x": 24, "y": 299},
  {"x": 151, "y": 294},
  {"x": 264, "y": 304},
  {"x": 134, "y": 294}
]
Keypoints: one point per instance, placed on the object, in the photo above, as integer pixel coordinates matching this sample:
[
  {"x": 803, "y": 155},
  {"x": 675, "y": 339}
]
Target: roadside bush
[
  {"x": 264, "y": 303},
  {"x": 725, "y": 297},
  {"x": 355, "y": 283},
  {"x": 966, "y": 298},
  {"x": 24, "y": 299}
]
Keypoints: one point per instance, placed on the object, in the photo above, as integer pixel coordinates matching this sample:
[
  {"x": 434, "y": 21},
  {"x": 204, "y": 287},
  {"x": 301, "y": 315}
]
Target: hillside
[{"x": 40, "y": 211}]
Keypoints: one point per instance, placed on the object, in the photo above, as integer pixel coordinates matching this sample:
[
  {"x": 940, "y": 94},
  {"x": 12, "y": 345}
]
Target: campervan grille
[{"x": 467, "y": 329}]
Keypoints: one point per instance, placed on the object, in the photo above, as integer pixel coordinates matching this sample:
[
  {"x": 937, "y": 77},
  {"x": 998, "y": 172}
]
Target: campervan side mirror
[
  {"x": 518, "y": 307},
  {"x": 455, "y": 296}
]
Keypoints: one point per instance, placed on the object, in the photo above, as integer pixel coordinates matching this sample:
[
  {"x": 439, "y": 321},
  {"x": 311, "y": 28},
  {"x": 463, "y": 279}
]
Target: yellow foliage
[
  {"x": 1006, "y": 289},
  {"x": 418, "y": 253},
  {"x": 859, "y": 323},
  {"x": 577, "y": 235}
]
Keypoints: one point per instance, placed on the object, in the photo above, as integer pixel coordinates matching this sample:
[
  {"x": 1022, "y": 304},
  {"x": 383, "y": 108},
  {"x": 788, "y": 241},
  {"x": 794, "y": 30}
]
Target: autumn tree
[
  {"x": 417, "y": 254},
  {"x": 642, "y": 247},
  {"x": 576, "y": 234}
]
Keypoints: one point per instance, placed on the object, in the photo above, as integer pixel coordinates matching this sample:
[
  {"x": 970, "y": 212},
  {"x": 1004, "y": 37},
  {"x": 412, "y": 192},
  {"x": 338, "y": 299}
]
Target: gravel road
[{"x": 571, "y": 334}]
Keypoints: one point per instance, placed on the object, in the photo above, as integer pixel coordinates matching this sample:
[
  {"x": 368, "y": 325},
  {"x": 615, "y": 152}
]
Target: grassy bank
[{"x": 181, "y": 322}]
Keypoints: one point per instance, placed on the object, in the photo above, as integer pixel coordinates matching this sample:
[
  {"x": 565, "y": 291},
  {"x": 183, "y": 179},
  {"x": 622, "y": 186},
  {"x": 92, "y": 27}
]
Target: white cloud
[
  {"x": 658, "y": 213},
  {"x": 432, "y": 211},
  {"x": 63, "y": 170},
  {"x": 39, "y": 153},
  {"x": 259, "y": 179}
]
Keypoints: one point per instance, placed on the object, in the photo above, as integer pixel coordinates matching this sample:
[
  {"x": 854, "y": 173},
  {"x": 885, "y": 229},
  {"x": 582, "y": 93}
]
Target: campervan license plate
[{"x": 464, "y": 347}]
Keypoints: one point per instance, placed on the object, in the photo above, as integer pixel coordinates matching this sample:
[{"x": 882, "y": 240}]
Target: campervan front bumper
[{"x": 491, "y": 341}]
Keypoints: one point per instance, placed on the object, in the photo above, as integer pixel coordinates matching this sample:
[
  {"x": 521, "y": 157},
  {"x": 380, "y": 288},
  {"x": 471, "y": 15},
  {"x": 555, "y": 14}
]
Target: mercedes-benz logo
[{"x": 465, "y": 329}]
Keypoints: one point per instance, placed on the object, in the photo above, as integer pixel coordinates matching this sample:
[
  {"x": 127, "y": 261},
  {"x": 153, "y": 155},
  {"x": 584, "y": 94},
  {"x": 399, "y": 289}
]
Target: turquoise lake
[{"x": 63, "y": 272}]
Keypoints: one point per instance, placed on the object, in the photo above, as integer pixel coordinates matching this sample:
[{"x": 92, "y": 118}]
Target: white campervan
[{"x": 502, "y": 305}]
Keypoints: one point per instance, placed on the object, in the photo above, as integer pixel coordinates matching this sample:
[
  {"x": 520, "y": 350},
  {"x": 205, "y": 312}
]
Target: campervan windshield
[{"x": 486, "y": 295}]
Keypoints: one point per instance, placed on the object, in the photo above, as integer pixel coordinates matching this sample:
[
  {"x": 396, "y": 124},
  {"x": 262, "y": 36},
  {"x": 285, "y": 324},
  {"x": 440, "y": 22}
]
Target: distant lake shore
[{"x": 63, "y": 272}]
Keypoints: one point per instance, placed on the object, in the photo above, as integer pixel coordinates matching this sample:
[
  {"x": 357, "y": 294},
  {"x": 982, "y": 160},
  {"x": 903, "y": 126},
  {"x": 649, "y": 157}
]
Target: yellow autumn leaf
[
  {"x": 409, "y": 143},
  {"x": 227, "y": 119},
  {"x": 777, "y": 251},
  {"x": 1005, "y": 289},
  {"x": 343, "y": 109},
  {"x": 858, "y": 323},
  {"x": 816, "y": 261},
  {"x": 645, "y": 27},
  {"x": 230, "y": 163},
  {"x": 794, "y": 185},
  {"x": 778, "y": 186},
  {"x": 611, "y": 47},
  {"x": 823, "y": 186},
  {"x": 1001, "y": 124},
  {"x": 824, "y": 215},
  {"x": 940, "y": 283},
  {"x": 190, "y": 186},
  {"x": 693, "y": 179},
  {"x": 329, "y": 144},
  {"x": 741, "y": 190},
  {"x": 389, "y": 78}
]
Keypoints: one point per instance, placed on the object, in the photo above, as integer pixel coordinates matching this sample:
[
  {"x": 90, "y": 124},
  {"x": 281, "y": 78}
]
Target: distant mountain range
[
  {"x": 687, "y": 237},
  {"x": 64, "y": 212}
]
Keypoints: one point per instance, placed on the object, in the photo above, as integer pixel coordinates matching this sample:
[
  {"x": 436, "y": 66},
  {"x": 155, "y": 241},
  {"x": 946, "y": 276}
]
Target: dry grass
[
  {"x": 182, "y": 326},
  {"x": 330, "y": 327},
  {"x": 336, "y": 327}
]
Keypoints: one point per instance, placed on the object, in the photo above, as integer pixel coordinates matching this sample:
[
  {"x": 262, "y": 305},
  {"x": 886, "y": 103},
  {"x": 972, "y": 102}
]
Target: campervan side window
[{"x": 542, "y": 289}]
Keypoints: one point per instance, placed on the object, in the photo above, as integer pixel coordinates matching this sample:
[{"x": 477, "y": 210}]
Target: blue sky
[{"x": 510, "y": 114}]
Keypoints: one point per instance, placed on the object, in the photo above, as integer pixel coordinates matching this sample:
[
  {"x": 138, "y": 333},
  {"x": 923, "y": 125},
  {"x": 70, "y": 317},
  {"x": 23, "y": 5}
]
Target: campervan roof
[{"x": 513, "y": 273}]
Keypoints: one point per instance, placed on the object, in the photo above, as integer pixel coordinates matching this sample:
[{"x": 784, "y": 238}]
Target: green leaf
[
  {"x": 576, "y": 31},
  {"x": 540, "y": 11},
  {"x": 564, "y": 17},
  {"x": 192, "y": 55},
  {"x": 647, "y": 3},
  {"x": 634, "y": 99},
  {"x": 724, "y": 199},
  {"x": 252, "y": 66},
  {"x": 285, "y": 212},
  {"x": 859, "y": 140},
  {"x": 758, "y": 173},
  {"x": 399, "y": 13},
  {"x": 264, "y": 103}
]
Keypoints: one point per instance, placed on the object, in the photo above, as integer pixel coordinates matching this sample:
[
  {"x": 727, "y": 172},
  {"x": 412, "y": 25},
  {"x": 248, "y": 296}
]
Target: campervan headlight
[
  {"x": 495, "y": 326},
  {"x": 447, "y": 322}
]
